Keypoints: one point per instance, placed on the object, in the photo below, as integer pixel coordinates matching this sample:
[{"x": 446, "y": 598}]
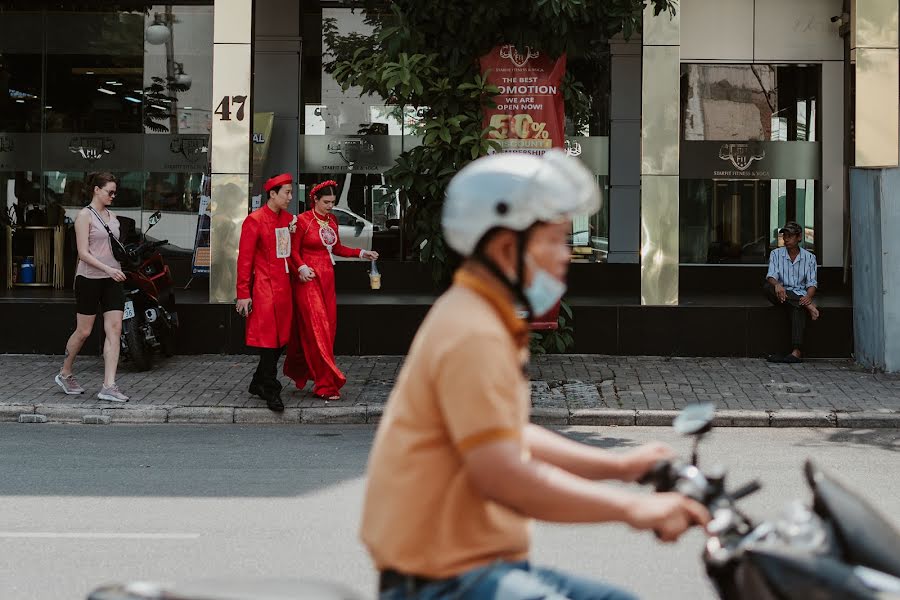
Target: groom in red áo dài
[{"x": 265, "y": 268}]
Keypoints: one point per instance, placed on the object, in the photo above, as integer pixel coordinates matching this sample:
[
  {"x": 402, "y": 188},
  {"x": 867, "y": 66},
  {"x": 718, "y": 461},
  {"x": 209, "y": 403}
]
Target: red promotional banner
[{"x": 530, "y": 116}]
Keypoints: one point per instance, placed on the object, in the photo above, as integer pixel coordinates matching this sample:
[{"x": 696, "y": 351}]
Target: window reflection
[
  {"x": 21, "y": 97},
  {"x": 175, "y": 192},
  {"x": 94, "y": 65},
  {"x": 749, "y": 102}
]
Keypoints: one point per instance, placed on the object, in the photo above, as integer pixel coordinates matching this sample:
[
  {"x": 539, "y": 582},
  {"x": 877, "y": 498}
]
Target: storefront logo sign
[
  {"x": 6, "y": 144},
  {"x": 741, "y": 155},
  {"x": 764, "y": 160},
  {"x": 192, "y": 148},
  {"x": 351, "y": 150},
  {"x": 510, "y": 52},
  {"x": 91, "y": 148},
  {"x": 573, "y": 148}
]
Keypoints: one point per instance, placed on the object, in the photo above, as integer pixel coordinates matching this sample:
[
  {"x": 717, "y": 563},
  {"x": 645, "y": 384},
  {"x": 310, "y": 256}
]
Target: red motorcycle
[{"x": 150, "y": 321}]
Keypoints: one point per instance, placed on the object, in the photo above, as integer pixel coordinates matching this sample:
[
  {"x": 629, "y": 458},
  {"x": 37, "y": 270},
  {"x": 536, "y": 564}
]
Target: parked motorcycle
[
  {"x": 838, "y": 548},
  {"x": 150, "y": 321}
]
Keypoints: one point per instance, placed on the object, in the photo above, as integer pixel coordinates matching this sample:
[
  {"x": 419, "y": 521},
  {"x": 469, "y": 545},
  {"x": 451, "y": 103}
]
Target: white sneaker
[
  {"x": 69, "y": 384},
  {"x": 112, "y": 394}
]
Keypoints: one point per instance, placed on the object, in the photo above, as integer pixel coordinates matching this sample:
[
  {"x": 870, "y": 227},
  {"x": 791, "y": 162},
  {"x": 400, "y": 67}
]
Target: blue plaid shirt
[{"x": 797, "y": 276}]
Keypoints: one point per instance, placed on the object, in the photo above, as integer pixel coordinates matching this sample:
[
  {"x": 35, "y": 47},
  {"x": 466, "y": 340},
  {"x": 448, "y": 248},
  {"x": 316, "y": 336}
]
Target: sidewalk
[{"x": 566, "y": 390}]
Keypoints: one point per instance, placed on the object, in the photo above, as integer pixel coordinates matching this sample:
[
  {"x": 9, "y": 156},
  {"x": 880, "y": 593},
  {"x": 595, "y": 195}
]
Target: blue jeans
[{"x": 511, "y": 581}]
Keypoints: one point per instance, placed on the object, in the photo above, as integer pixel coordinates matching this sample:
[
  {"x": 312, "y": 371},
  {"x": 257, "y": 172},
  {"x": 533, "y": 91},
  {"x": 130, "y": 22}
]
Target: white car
[{"x": 355, "y": 231}]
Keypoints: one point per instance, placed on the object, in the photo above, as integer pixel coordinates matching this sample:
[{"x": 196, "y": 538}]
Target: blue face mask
[{"x": 544, "y": 291}]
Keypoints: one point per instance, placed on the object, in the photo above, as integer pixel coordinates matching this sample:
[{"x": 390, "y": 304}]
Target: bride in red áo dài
[{"x": 316, "y": 241}]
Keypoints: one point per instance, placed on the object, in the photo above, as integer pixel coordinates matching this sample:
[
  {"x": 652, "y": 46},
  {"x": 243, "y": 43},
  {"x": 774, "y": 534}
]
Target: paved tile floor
[{"x": 560, "y": 381}]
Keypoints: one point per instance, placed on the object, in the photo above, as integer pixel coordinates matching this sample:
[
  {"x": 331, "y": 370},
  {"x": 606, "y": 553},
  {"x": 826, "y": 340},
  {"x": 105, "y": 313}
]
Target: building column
[
  {"x": 625, "y": 152},
  {"x": 660, "y": 106},
  {"x": 875, "y": 221},
  {"x": 276, "y": 89},
  {"x": 231, "y": 141},
  {"x": 875, "y": 192},
  {"x": 874, "y": 56}
]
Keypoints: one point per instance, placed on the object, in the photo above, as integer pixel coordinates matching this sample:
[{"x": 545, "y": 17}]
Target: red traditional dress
[
  {"x": 310, "y": 352},
  {"x": 265, "y": 267}
]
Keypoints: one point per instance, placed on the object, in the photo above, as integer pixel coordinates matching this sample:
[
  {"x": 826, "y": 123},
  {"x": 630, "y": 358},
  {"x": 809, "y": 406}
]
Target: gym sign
[{"x": 751, "y": 160}]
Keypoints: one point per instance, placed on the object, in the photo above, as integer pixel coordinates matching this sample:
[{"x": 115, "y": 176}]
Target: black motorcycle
[
  {"x": 839, "y": 548},
  {"x": 150, "y": 321}
]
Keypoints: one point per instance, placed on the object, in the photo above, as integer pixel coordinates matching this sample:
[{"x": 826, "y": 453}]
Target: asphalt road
[{"x": 85, "y": 505}]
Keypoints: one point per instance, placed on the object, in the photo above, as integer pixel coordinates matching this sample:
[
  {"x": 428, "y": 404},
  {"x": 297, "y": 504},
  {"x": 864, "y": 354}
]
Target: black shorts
[{"x": 91, "y": 293}]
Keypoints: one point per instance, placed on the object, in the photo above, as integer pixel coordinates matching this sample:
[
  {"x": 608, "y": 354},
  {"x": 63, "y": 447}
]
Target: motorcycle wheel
[{"x": 140, "y": 354}]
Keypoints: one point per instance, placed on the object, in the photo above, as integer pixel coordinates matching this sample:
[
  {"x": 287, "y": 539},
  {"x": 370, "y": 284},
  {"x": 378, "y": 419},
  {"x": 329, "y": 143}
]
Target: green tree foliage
[{"x": 425, "y": 53}]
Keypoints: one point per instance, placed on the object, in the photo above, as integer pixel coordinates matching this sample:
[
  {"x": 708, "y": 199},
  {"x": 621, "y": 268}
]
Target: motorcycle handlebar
[
  {"x": 145, "y": 246},
  {"x": 745, "y": 490},
  {"x": 659, "y": 476}
]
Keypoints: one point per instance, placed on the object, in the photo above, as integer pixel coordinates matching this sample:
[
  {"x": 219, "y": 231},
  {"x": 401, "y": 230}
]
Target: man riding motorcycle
[{"x": 457, "y": 471}]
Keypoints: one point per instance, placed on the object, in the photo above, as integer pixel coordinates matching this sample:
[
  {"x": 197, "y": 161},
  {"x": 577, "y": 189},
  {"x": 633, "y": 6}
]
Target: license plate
[{"x": 129, "y": 310}]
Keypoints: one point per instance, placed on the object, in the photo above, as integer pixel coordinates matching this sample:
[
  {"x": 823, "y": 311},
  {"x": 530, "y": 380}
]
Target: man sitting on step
[{"x": 791, "y": 284}]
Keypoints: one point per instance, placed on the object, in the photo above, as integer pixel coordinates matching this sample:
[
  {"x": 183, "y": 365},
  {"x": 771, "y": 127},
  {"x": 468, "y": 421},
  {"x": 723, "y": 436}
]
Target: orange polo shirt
[{"x": 462, "y": 386}]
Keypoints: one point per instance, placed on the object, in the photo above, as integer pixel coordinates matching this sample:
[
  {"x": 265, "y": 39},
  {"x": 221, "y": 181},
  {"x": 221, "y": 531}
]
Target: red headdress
[
  {"x": 283, "y": 179},
  {"x": 322, "y": 186}
]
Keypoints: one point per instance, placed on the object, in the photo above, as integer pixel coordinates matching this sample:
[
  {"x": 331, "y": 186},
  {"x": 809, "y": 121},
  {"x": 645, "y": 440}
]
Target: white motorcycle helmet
[{"x": 515, "y": 191}]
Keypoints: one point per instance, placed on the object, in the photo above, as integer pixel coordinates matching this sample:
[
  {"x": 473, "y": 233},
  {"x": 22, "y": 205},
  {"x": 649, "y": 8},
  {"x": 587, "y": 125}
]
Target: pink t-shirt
[{"x": 98, "y": 246}]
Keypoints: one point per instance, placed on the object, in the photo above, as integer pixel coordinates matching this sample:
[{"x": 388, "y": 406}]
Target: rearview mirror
[
  {"x": 695, "y": 419},
  {"x": 154, "y": 218}
]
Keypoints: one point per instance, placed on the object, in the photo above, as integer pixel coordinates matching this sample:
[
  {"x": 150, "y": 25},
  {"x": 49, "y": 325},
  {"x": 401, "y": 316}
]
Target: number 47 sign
[{"x": 229, "y": 103}]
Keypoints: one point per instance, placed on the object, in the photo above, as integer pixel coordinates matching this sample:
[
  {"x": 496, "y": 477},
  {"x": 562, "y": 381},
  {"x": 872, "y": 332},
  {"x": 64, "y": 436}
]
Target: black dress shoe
[
  {"x": 274, "y": 402},
  {"x": 775, "y": 358},
  {"x": 256, "y": 389}
]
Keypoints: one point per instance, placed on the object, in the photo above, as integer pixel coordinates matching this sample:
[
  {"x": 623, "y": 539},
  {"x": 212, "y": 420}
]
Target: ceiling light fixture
[
  {"x": 106, "y": 91},
  {"x": 130, "y": 99}
]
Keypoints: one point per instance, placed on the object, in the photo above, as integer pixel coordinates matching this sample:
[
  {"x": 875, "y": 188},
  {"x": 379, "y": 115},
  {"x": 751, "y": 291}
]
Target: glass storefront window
[
  {"x": 21, "y": 90},
  {"x": 750, "y": 160},
  {"x": 355, "y": 140},
  {"x": 94, "y": 61},
  {"x": 126, "y": 91},
  {"x": 587, "y": 137}
]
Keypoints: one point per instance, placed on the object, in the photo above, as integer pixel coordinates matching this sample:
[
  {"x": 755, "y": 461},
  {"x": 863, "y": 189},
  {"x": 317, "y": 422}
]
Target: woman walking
[
  {"x": 311, "y": 349},
  {"x": 98, "y": 283}
]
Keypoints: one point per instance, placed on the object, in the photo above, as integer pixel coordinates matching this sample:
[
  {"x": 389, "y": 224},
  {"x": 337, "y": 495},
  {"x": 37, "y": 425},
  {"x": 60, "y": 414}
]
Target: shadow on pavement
[
  {"x": 883, "y": 439},
  {"x": 172, "y": 461},
  {"x": 596, "y": 438}
]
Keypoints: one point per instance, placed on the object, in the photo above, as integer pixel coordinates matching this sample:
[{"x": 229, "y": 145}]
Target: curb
[{"x": 371, "y": 415}]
